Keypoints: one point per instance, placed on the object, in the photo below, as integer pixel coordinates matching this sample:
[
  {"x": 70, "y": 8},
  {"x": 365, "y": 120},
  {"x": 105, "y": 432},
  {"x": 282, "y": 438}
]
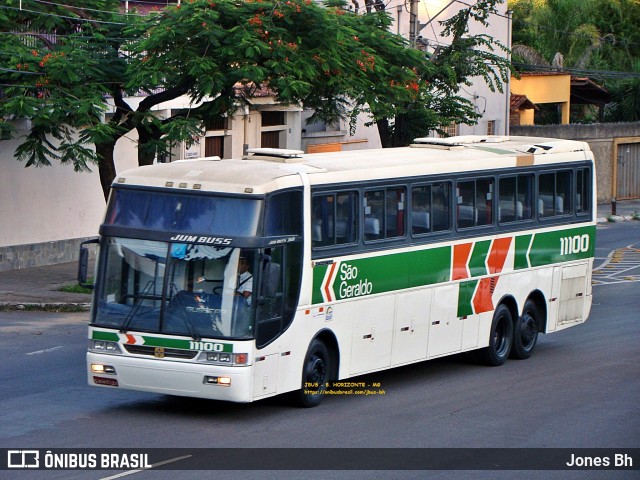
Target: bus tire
[
  {"x": 500, "y": 338},
  {"x": 525, "y": 335},
  {"x": 315, "y": 375}
]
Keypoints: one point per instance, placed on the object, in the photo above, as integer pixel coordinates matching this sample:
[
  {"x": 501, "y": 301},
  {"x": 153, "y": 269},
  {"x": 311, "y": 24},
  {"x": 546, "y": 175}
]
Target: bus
[{"x": 241, "y": 279}]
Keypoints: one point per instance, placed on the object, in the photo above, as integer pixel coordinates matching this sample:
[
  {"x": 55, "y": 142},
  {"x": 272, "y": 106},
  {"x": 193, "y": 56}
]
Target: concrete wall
[
  {"x": 600, "y": 137},
  {"x": 45, "y": 212}
]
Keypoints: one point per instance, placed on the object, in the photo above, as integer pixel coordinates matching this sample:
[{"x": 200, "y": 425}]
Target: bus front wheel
[
  {"x": 500, "y": 338},
  {"x": 525, "y": 335},
  {"x": 315, "y": 374}
]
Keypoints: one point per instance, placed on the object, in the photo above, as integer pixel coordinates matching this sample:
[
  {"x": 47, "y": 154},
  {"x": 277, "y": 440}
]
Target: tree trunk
[
  {"x": 147, "y": 135},
  {"x": 383, "y": 131},
  {"x": 399, "y": 131},
  {"x": 106, "y": 166}
]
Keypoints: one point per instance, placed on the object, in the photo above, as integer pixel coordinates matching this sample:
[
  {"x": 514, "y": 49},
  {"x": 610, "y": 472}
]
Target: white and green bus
[{"x": 283, "y": 272}]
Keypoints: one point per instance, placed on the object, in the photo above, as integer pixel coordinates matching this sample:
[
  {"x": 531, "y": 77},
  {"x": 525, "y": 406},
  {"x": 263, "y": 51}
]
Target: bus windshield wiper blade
[{"x": 150, "y": 284}]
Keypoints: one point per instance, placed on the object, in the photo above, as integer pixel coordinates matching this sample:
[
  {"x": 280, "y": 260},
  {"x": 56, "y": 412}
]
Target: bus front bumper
[{"x": 214, "y": 382}]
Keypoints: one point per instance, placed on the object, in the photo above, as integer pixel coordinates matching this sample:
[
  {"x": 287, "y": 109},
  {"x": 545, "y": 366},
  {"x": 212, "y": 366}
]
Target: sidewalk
[
  {"x": 625, "y": 210},
  {"x": 39, "y": 287}
]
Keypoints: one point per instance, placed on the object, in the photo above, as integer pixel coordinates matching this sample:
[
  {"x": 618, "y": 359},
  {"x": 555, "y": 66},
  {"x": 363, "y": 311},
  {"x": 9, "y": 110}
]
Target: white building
[{"x": 494, "y": 106}]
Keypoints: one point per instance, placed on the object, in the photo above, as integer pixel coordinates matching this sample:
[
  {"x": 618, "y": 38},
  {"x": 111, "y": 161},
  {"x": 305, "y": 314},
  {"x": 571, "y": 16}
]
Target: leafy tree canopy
[{"x": 64, "y": 68}]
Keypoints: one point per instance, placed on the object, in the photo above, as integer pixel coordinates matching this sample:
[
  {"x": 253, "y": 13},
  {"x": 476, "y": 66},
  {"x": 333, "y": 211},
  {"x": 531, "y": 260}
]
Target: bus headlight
[
  {"x": 224, "y": 358},
  {"x": 100, "y": 368},
  {"x": 100, "y": 346},
  {"x": 222, "y": 381}
]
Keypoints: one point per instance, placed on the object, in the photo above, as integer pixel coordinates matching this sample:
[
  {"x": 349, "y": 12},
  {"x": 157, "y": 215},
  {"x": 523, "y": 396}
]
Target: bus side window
[
  {"x": 554, "y": 193},
  {"x": 430, "y": 211},
  {"x": 335, "y": 219},
  {"x": 421, "y": 210},
  {"x": 384, "y": 213},
  {"x": 374, "y": 214},
  {"x": 284, "y": 214},
  {"x": 583, "y": 194},
  {"x": 441, "y": 206},
  {"x": 515, "y": 200},
  {"x": 475, "y": 202}
]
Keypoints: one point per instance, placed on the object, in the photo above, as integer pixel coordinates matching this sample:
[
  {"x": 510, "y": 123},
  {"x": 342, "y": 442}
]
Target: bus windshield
[
  {"x": 175, "y": 288},
  {"x": 184, "y": 213}
]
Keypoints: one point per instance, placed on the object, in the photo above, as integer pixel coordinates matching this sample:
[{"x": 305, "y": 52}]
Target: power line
[
  {"x": 75, "y": 19},
  {"x": 73, "y": 7},
  {"x": 577, "y": 71}
]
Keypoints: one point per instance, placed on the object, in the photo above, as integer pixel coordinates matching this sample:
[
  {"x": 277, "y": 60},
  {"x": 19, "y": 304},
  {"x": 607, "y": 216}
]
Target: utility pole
[
  {"x": 413, "y": 22},
  {"x": 507, "y": 112}
]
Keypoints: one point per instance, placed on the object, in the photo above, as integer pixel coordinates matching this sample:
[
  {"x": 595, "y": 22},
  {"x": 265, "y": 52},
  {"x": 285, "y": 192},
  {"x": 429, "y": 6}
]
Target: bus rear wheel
[
  {"x": 315, "y": 375},
  {"x": 525, "y": 335},
  {"x": 500, "y": 338}
]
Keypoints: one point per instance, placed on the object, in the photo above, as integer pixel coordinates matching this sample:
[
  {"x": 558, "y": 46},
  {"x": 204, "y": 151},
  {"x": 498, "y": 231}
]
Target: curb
[
  {"x": 617, "y": 218},
  {"x": 45, "y": 307}
]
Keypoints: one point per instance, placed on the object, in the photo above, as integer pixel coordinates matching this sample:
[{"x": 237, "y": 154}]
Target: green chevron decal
[{"x": 465, "y": 298}]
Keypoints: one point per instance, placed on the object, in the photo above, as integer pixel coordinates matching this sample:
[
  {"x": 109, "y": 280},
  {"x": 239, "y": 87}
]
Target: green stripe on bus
[
  {"x": 386, "y": 273},
  {"x": 561, "y": 246},
  {"x": 179, "y": 343},
  {"x": 186, "y": 344},
  {"x": 105, "y": 336},
  {"x": 391, "y": 272},
  {"x": 427, "y": 267}
]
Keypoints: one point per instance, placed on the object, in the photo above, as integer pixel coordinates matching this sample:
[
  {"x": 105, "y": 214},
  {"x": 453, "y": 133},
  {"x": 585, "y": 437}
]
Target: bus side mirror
[{"x": 83, "y": 263}]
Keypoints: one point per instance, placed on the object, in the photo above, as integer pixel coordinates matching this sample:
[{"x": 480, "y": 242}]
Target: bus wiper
[
  {"x": 150, "y": 284},
  {"x": 184, "y": 316}
]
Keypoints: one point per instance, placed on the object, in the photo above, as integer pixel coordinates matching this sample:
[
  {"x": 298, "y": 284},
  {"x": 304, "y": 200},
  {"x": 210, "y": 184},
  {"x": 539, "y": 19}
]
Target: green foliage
[
  {"x": 590, "y": 34},
  {"x": 221, "y": 53},
  {"x": 56, "y": 65},
  {"x": 76, "y": 288},
  {"x": 626, "y": 99}
]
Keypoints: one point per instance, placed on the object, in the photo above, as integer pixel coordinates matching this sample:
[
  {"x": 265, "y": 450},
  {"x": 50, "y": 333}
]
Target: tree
[
  {"x": 437, "y": 102},
  {"x": 62, "y": 63},
  {"x": 218, "y": 52},
  {"x": 597, "y": 35}
]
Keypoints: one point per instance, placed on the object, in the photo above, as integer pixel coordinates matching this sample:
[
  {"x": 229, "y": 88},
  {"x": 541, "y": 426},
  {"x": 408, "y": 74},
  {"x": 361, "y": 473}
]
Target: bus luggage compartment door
[
  {"x": 372, "y": 333},
  {"x": 411, "y": 328},
  {"x": 445, "y": 329},
  {"x": 265, "y": 375},
  {"x": 573, "y": 291}
]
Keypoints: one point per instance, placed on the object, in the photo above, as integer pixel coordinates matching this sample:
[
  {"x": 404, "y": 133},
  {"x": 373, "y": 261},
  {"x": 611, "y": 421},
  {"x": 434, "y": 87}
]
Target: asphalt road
[{"x": 579, "y": 390}]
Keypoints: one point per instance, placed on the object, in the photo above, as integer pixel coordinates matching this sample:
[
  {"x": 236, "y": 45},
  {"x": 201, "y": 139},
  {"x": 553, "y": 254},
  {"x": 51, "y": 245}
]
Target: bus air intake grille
[{"x": 168, "y": 352}]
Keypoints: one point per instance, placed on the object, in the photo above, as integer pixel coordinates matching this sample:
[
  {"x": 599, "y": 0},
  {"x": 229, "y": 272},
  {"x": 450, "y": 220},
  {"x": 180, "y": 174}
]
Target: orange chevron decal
[
  {"x": 131, "y": 340},
  {"x": 498, "y": 254},
  {"x": 460, "y": 259},
  {"x": 482, "y": 300}
]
